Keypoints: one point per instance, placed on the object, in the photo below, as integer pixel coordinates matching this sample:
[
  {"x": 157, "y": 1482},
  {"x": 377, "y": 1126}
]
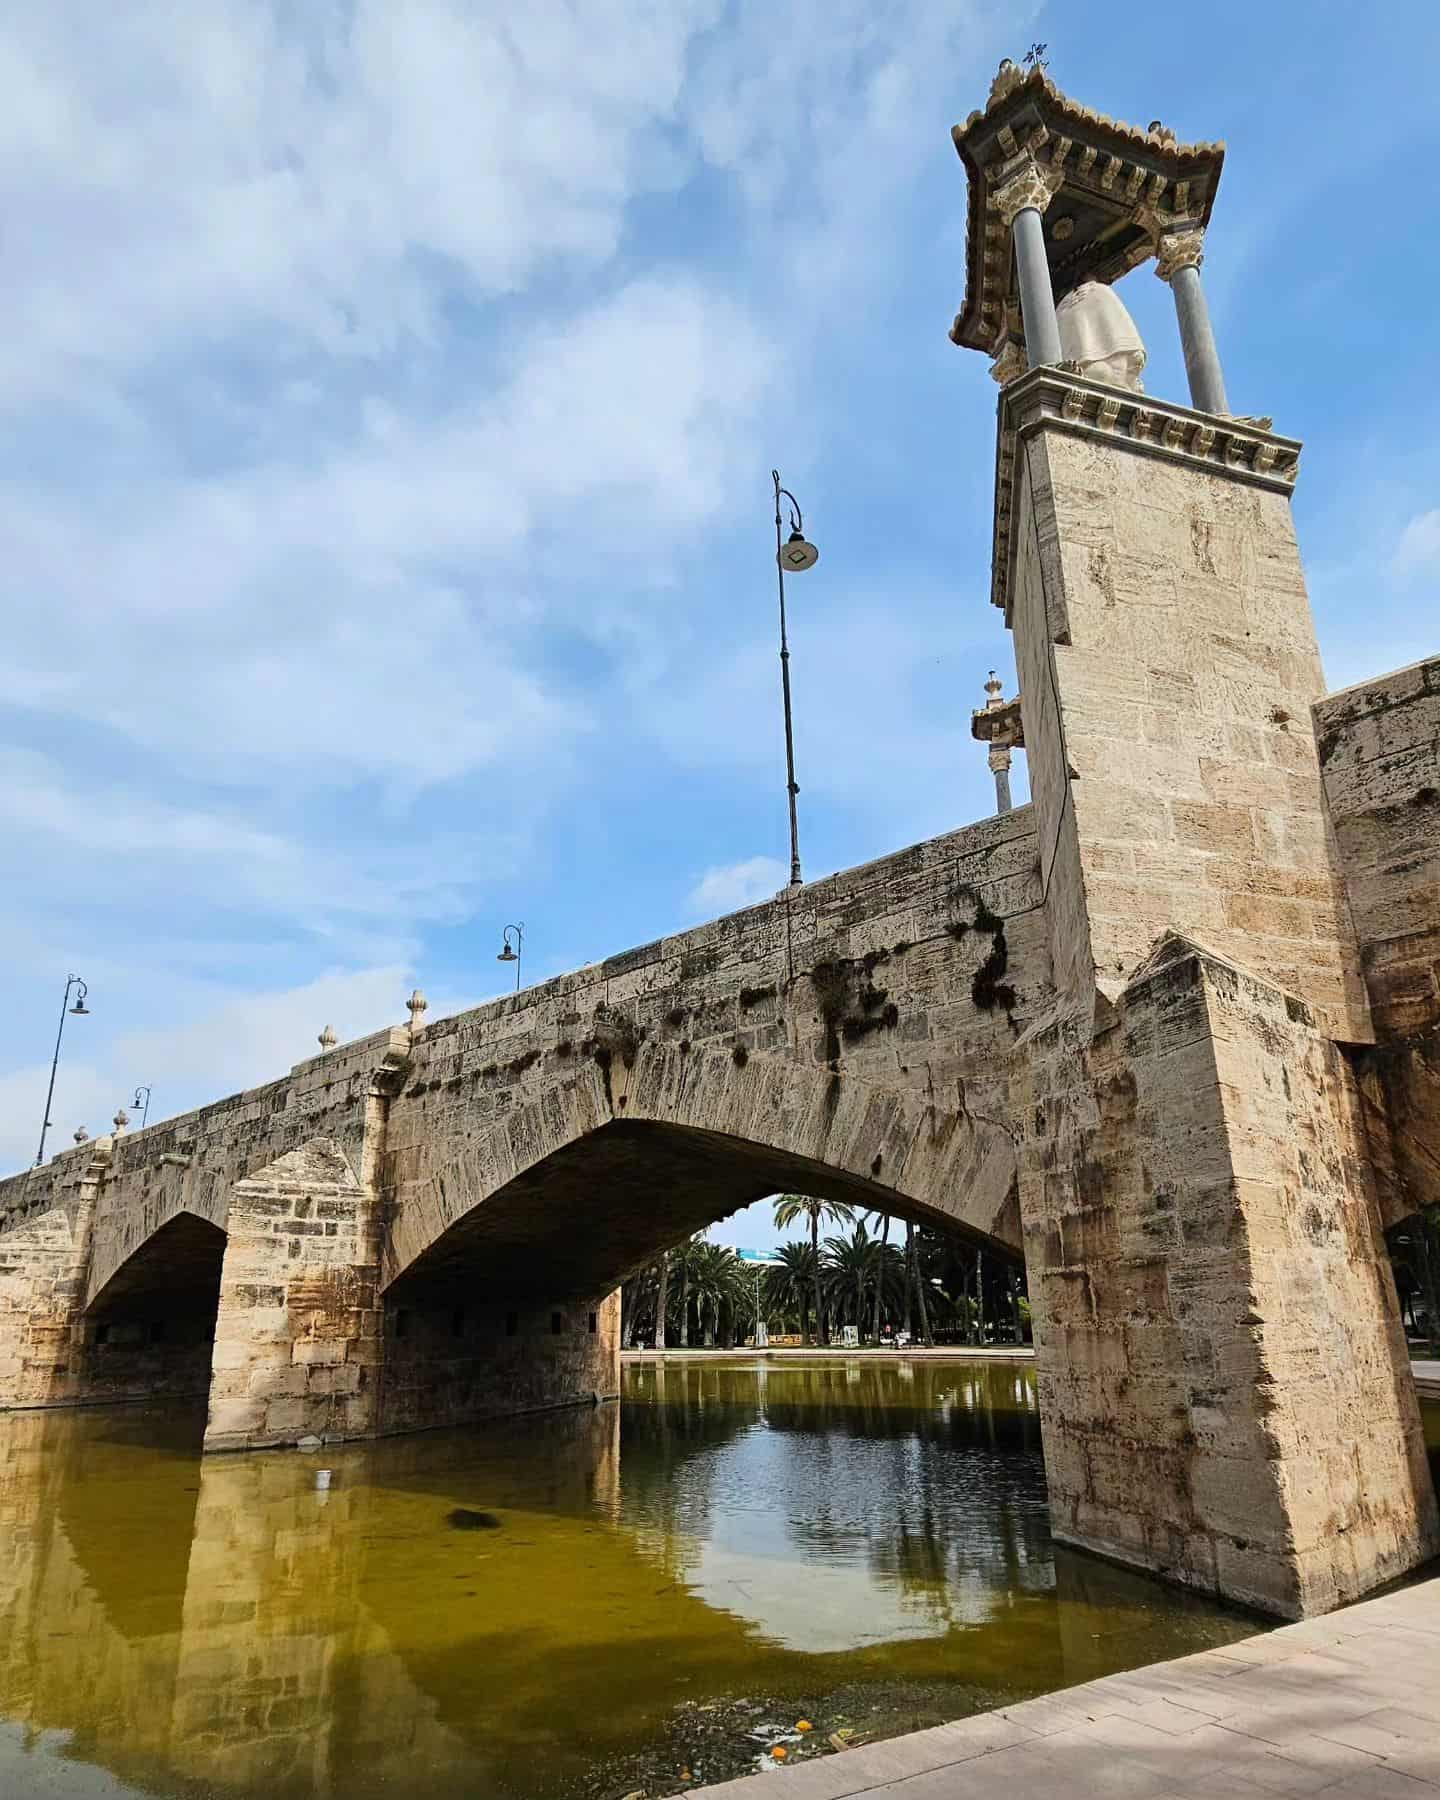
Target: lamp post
[
  {"x": 795, "y": 554},
  {"x": 81, "y": 1010},
  {"x": 142, "y": 1100},
  {"x": 509, "y": 953}
]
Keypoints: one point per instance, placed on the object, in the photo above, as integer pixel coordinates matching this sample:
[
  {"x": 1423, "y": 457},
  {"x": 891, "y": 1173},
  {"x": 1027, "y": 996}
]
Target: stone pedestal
[
  {"x": 1147, "y": 562},
  {"x": 298, "y": 1329},
  {"x": 1224, "y": 1386}
]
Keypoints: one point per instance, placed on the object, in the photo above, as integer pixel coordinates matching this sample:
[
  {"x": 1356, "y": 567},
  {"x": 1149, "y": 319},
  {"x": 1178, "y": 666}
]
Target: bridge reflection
[{"x": 531, "y": 1609}]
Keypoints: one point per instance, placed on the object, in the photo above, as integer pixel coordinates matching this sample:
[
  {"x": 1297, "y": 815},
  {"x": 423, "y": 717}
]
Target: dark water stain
[{"x": 464, "y": 1518}]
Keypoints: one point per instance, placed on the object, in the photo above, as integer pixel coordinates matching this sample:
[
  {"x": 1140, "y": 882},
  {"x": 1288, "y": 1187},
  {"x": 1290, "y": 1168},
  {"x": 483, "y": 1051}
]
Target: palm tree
[
  {"x": 791, "y": 1286},
  {"x": 884, "y": 1246},
  {"x": 789, "y": 1208},
  {"x": 685, "y": 1255},
  {"x": 847, "y": 1265},
  {"x": 637, "y": 1298},
  {"x": 915, "y": 1281},
  {"x": 662, "y": 1284},
  {"x": 717, "y": 1278}
]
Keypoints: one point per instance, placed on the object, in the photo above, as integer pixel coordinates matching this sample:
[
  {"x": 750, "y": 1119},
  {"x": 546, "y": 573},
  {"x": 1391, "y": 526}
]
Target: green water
[{"x": 582, "y": 1604}]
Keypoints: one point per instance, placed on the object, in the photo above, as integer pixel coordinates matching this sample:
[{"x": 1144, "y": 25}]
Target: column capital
[
  {"x": 1030, "y": 184},
  {"x": 999, "y": 759},
  {"x": 1178, "y": 247}
]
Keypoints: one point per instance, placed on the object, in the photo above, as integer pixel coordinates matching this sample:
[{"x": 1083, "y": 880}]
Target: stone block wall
[
  {"x": 298, "y": 1329},
  {"x": 44, "y": 1255},
  {"x": 449, "y": 1362},
  {"x": 1225, "y": 1395},
  {"x": 1380, "y": 754}
]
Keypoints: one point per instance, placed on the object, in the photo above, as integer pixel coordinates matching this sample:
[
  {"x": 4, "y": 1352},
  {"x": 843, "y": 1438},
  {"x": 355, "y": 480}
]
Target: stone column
[
  {"x": 1021, "y": 200},
  {"x": 297, "y": 1336},
  {"x": 1178, "y": 262},
  {"x": 1000, "y": 769}
]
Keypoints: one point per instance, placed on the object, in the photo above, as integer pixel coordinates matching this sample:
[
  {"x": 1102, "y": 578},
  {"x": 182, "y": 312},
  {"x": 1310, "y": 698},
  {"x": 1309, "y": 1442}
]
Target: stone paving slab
[{"x": 1347, "y": 1706}]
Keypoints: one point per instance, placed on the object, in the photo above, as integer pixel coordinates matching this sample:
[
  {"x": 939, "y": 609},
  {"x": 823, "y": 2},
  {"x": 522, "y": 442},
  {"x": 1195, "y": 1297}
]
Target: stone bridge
[
  {"x": 448, "y": 1208},
  {"x": 1169, "y": 1031}
]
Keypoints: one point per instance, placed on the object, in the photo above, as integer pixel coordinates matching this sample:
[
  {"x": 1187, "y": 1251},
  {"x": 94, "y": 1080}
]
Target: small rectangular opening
[
  {"x": 512, "y": 1324},
  {"x": 594, "y": 1322},
  {"x": 402, "y": 1323},
  {"x": 102, "y": 1334},
  {"x": 157, "y": 1331},
  {"x": 557, "y": 1324},
  {"x": 457, "y": 1322}
]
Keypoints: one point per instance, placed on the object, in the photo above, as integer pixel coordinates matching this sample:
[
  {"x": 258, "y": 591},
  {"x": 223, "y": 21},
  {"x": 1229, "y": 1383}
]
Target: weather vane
[{"x": 1035, "y": 57}]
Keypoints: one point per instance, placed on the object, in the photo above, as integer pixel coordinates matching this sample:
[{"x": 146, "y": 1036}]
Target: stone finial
[
  {"x": 994, "y": 692},
  {"x": 121, "y": 1120},
  {"x": 416, "y": 1004},
  {"x": 1007, "y": 78},
  {"x": 327, "y": 1040},
  {"x": 82, "y": 1136}
]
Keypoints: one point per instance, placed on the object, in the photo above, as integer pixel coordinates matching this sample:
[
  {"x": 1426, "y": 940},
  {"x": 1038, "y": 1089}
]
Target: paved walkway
[{"x": 1347, "y": 1706}]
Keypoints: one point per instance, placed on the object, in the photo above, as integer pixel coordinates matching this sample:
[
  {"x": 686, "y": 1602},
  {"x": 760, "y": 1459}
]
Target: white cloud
[
  {"x": 221, "y": 1047},
  {"x": 1418, "y": 551},
  {"x": 237, "y": 165},
  {"x": 727, "y": 889}
]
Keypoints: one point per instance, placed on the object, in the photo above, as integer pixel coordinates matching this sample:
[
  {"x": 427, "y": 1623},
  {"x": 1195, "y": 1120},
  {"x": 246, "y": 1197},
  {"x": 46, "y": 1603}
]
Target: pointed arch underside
[
  {"x": 572, "y": 1191},
  {"x": 178, "y": 1265}
]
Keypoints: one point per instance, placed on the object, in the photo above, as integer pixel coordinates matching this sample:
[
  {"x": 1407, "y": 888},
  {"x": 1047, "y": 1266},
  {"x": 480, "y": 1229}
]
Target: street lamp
[
  {"x": 796, "y": 555},
  {"x": 144, "y": 1104},
  {"x": 513, "y": 954},
  {"x": 81, "y": 1010}
]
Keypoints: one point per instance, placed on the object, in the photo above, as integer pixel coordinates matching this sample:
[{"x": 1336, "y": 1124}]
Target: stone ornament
[
  {"x": 82, "y": 1136},
  {"x": 121, "y": 1120},
  {"x": 1032, "y": 185},
  {"x": 1010, "y": 364},
  {"x": 327, "y": 1040},
  {"x": 1177, "y": 250},
  {"x": 416, "y": 1005},
  {"x": 1008, "y": 77}
]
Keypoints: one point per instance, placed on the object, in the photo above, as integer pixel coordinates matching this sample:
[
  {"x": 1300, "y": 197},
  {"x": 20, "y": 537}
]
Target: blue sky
[{"x": 391, "y": 395}]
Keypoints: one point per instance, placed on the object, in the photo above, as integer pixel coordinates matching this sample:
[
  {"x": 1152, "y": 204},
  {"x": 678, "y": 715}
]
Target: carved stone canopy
[{"x": 1111, "y": 189}]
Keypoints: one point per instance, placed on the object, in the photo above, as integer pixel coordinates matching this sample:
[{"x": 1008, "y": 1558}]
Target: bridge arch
[
  {"x": 149, "y": 1329},
  {"x": 503, "y": 1257},
  {"x": 606, "y": 1167}
]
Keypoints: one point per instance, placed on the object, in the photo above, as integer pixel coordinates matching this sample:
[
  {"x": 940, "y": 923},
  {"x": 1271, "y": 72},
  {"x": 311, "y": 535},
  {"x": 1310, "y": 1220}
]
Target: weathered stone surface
[
  {"x": 1380, "y": 753},
  {"x": 299, "y": 1310},
  {"x": 1224, "y": 1395},
  {"x": 1168, "y": 666}
]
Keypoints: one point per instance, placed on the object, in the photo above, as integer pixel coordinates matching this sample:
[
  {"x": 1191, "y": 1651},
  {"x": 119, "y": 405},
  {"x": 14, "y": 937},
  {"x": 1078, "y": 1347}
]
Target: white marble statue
[{"x": 1098, "y": 333}]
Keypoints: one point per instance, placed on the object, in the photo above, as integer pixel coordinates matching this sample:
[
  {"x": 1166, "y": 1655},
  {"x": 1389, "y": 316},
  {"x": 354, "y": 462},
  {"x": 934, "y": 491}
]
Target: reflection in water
[{"x": 865, "y": 1540}]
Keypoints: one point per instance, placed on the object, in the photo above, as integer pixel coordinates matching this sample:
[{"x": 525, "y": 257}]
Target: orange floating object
[
  {"x": 779, "y": 1753},
  {"x": 803, "y": 1725}
]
